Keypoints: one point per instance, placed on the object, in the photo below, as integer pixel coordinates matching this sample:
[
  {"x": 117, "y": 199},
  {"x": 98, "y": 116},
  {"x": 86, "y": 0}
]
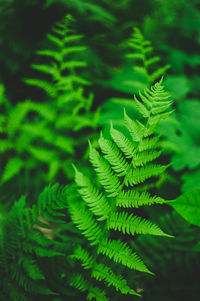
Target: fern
[
  {"x": 142, "y": 53},
  {"x": 118, "y": 169},
  {"x": 178, "y": 256},
  {"x": 64, "y": 83},
  {"x": 41, "y": 136},
  {"x": 20, "y": 273},
  {"x": 86, "y": 223},
  {"x": 142, "y": 70},
  {"x": 27, "y": 254},
  {"x": 65, "y": 41}
]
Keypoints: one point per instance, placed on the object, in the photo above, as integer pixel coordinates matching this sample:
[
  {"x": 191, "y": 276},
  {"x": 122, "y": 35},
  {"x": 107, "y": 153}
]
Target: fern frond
[
  {"x": 140, "y": 174},
  {"x": 50, "y": 53},
  {"x": 101, "y": 272},
  {"x": 97, "y": 293},
  {"x": 126, "y": 146},
  {"x": 85, "y": 222},
  {"x": 121, "y": 253},
  {"x": 124, "y": 162},
  {"x": 52, "y": 201},
  {"x": 31, "y": 268},
  {"x": 130, "y": 224},
  {"x": 95, "y": 207},
  {"x": 42, "y": 84},
  {"x": 73, "y": 64},
  {"x": 114, "y": 156},
  {"x": 148, "y": 143},
  {"x": 107, "y": 178},
  {"x": 96, "y": 201},
  {"x": 74, "y": 49},
  {"x": 135, "y": 128},
  {"x": 44, "y": 68},
  {"x": 12, "y": 168},
  {"x": 135, "y": 199},
  {"x": 142, "y": 54},
  {"x": 144, "y": 157},
  {"x": 87, "y": 261},
  {"x": 20, "y": 249},
  {"x": 72, "y": 38},
  {"x": 79, "y": 282}
]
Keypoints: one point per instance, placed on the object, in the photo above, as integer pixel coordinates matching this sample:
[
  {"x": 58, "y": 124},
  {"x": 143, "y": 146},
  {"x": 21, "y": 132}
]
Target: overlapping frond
[
  {"x": 95, "y": 200},
  {"x": 142, "y": 54},
  {"x": 121, "y": 253},
  {"x": 120, "y": 165},
  {"x": 63, "y": 57},
  {"x": 132, "y": 224},
  {"x": 85, "y": 223},
  {"x": 98, "y": 210},
  {"x": 135, "y": 199},
  {"x": 20, "y": 248},
  {"x": 40, "y": 134}
]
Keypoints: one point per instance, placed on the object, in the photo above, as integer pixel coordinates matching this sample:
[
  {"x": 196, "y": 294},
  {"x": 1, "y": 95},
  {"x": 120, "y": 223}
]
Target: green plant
[
  {"x": 142, "y": 71},
  {"x": 175, "y": 261},
  {"x": 46, "y": 136},
  {"x": 96, "y": 207},
  {"x": 142, "y": 53},
  {"x": 181, "y": 133},
  {"x": 187, "y": 205}
]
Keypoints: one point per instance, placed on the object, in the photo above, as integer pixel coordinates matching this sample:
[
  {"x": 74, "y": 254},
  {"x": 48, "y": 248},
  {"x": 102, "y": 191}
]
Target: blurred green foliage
[
  {"x": 45, "y": 135},
  {"x": 182, "y": 132},
  {"x": 45, "y": 123}
]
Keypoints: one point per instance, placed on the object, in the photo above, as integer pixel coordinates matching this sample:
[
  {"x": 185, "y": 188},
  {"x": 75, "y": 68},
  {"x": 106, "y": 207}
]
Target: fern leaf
[
  {"x": 73, "y": 49},
  {"x": 73, "y": 64},
  {"x": 130, "y": 224},
  {"x": 72, "y": 38},
  {"x": 87, "y": 261},
  {"x": 44, "y": 68},
  {"x": 142, "y": 51},
  {"x": 32, "y": 269},
  {"x": 50, "y": 53},
  {"x": 44, "y": 155},
  {"x": 145, "y": 100},
  {"x": 96, "y": 201},
  {"x": 152, "y": 60},
  {"x": 85, "y": 223},
  {"x": 42, "y": 84},
  {"x": 159, "y": 72},
  {"x": 114, "y": 156},
  {"x": 141, "y": 158},
  {"x": 51, "y": 202},
  {"x": 139, "y": 175},
  {"x": 161, "y": 109},
  {"x": 136, "y": 128},
  {"x": 148, "y": 144},
  {"x": 12, "y": 168},
  {"x": 97, "y": 293},
  {"x": 141, "y": 108},
  {"x": 107, "y": 178},
  {"x": 78, "y": 281},
  {"x": 120, "y": 252},
  {"x": 135, "y": 199},
  {"x": 126, "y": 146},
  {"x": 55, "y": 40},
  {"x": 101, "y": 272},
  {"x": 65, "y": 143}
]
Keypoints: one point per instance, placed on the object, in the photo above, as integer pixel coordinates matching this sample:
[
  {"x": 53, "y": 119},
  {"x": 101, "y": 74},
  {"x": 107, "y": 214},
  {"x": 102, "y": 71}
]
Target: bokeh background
[{"x": 42, "y": 133}]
